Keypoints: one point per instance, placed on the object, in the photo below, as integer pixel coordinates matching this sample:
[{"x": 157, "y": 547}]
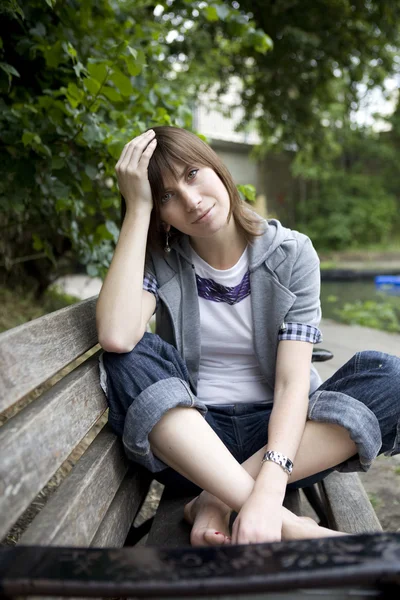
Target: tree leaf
[
  {"x": 211, "y": 13},
  {"x": 9, "y": 69},
  {"x": 122, "y": 82},
  {"x": 98, "y": 71}
]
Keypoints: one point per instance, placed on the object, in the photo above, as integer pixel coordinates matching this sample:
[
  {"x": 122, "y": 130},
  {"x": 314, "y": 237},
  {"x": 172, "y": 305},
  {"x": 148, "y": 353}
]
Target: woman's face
[{"x": 197, "y": 204}]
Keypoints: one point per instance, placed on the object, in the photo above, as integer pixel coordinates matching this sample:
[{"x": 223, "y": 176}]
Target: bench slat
[
  {"x": 122, "y": 512},
  {"x": 348, "y": 506},
  {"x": 169, "y": 528},
  {"x": 36, "y": 442},
  {"x": 73, "y": 515},
  {"x": 32, "y": 353}
]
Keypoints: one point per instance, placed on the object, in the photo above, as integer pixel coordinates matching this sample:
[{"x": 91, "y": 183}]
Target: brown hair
[{"x": 179, "y": 145}]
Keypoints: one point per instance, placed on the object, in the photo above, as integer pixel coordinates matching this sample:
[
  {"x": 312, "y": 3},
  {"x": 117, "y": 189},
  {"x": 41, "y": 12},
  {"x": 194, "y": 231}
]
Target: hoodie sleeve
[{"x": 302, "y": 321}]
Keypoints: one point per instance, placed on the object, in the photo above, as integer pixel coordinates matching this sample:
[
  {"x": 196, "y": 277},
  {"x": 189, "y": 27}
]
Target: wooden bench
[{"x": 94, "y": 507}]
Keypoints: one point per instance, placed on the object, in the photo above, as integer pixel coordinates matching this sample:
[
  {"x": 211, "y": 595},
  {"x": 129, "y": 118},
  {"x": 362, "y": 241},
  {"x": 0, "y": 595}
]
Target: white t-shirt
[{"x": 228, "y": 371}]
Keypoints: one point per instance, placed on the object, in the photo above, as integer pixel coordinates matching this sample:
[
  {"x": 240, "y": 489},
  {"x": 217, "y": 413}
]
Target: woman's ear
[{"x": 166, "y": 226}]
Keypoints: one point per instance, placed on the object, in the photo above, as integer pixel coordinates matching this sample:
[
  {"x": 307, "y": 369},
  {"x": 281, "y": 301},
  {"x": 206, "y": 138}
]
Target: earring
[{"x": 167, "y": 246}]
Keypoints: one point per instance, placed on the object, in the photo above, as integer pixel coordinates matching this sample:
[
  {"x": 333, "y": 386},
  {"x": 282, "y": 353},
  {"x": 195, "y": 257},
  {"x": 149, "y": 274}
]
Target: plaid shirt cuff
[
  {"x": 299, "y": 332},
  {"x": 150, "y": 285}
]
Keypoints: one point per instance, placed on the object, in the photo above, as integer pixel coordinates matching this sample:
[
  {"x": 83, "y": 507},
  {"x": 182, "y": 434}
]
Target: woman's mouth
[{"x": 205, "y": 216}]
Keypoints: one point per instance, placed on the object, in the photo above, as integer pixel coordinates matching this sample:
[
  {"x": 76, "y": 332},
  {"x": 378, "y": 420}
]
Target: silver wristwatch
[{"x": 279, "y": 459}]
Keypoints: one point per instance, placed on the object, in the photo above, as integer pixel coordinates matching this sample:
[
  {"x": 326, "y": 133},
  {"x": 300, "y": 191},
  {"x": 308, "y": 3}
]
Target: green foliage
[
  {"x": 17, "y": 306},
  {"x": 80, "y": 79},
  {"x": 247, "y": 192},
  {"x": 77, "y": 82},
  {"x": 375, "y": 500},
  {"x": 348, "y": 210},
  {"x": 381, "y": 314},
  {"x": 350, "y": 200},
  {"x": 314, "y": 44}
]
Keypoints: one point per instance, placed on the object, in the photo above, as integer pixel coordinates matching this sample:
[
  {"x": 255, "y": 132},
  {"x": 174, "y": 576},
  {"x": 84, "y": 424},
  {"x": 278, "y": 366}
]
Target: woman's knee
[
  {"x": 147, "y": 347},
  {"x": 387, "y": 364},
  {"x": 150, "y": 360}
]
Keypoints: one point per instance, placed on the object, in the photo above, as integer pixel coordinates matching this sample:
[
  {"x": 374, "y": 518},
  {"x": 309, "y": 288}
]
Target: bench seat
[{"x": 96, "y": 504}]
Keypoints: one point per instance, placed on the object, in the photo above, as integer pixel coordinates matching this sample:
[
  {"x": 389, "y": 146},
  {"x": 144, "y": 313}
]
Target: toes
[
  {"x": 208, "y": 537},
  {"x": 214, "y": 538},
  {"x": 228, "y": 541}
]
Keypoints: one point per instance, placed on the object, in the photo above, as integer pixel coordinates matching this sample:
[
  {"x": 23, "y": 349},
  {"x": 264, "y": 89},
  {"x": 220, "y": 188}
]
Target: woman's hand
[
  {"x": 131, "y": 169},
  {"x": 259, "y": 520}
]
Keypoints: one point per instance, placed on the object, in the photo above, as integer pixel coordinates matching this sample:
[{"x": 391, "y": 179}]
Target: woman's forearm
[
  {"x": 285, "y": 430},
  {"x": 119, "y": 307}
]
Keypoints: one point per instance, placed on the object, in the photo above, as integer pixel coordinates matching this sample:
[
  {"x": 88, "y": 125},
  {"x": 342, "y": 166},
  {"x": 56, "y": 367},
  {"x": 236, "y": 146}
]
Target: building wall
[{"x": 244, "y": 169}]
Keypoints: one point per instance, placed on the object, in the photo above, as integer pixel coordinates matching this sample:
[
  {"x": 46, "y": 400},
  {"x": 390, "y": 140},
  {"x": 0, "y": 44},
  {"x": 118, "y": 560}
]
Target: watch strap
[{"x": 280, "y": 459}]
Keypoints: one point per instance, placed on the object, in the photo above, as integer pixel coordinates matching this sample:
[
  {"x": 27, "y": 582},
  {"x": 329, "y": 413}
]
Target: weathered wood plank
[
  {"x": 37, "y": 440},
  {"x": 123, "y": 509},
  {"x": 32, "y": 353},
  {"x": 347, "y": 504},
  {"x": 74, "y": 513},
  {"x": 169, "y": 528}
]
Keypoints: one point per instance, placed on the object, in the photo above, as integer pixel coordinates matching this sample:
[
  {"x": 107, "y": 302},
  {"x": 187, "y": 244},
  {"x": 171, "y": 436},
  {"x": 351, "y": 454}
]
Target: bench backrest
[{"x": 97, "y": 502}]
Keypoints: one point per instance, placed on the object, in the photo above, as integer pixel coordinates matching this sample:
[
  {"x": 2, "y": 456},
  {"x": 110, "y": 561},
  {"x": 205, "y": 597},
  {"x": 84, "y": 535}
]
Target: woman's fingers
[
  {"x": 131, "y": 170},
  {"x": 147, "y": 154},
  {"x": 136, "y": 148},
  {"x": 128, "y": 148}
]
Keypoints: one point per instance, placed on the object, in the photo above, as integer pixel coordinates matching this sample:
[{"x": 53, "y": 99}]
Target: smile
[{"x": 204, "y": 216}]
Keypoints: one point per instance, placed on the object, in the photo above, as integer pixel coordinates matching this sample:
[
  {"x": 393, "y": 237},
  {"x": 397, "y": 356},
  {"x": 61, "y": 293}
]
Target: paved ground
[{"x": 344, "y": 340}]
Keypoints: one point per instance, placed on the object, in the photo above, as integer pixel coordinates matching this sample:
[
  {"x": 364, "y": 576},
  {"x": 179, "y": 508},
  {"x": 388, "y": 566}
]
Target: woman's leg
[
  {"x": 364, "y": 398},
  {"x": 183, "y": 440},
  {"x": 147, "y": 386}
]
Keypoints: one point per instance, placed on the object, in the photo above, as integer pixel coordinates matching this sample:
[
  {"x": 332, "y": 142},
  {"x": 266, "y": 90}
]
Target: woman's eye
[
  {"x": 165, "y": 198},
  {"x": 192, "y": 171}
]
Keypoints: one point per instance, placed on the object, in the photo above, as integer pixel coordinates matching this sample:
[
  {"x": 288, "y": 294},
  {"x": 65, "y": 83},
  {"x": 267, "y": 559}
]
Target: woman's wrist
[
  {"x": 271, "y": 480},
  {"x": 136, "y": 210}
]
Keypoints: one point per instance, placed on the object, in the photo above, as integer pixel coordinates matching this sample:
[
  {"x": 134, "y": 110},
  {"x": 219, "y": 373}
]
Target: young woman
[{"x": 224, "y": 398}]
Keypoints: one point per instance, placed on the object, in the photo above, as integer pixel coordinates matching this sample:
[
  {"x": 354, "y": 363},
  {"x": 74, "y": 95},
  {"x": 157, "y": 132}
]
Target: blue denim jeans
[{"x": 142, "y": 385}]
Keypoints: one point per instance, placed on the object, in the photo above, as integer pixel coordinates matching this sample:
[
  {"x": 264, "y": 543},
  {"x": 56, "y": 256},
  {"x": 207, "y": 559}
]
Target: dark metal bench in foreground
[{"x": 82, "y": 542}]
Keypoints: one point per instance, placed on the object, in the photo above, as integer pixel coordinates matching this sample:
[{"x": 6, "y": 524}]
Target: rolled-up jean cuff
[
  {"x": 361, "y": 423},
  {"x": 147, "y": 410},
  {"x": 396, "y": 446}
]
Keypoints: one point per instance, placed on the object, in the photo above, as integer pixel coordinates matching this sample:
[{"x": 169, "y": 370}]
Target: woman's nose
[{"x": 191, "y": 198}]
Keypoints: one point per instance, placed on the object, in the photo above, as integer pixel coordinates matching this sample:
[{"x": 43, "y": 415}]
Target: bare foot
[
  {"x": 301, "y": 528},
  {"x": 210, "y": 519}
]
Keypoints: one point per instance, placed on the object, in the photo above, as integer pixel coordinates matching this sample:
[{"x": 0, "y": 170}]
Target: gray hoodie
[{"x": 285, "y": 287}]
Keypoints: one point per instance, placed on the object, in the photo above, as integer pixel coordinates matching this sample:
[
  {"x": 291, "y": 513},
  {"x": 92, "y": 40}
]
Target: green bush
[
  {"x": 78, "y": 80},
  {"x": 349, "y": 210},
  {"x": 381, "y": 314}
]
